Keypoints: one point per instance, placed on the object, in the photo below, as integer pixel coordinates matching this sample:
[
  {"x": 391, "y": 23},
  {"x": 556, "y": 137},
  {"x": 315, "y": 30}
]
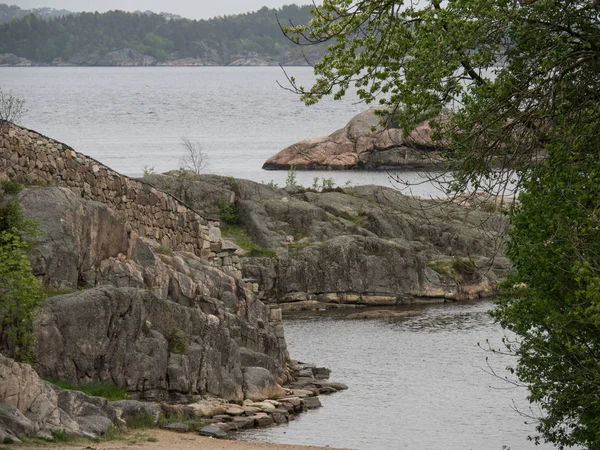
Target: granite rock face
[
  {"x": 29, "y": 406},
  {"x": 365, "y": 245},
  {"x": 164, "y": 324},
  {"x": 363, "y": 144},
  {"x": 157, "y": 349}
]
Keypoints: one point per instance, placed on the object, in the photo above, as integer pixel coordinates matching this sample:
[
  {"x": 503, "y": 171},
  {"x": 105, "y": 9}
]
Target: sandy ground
[{"x": 166, "y": 440}]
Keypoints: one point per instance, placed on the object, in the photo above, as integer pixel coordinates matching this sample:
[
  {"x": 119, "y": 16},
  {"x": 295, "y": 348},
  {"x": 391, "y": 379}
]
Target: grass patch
[
  {"x": 458, "y": 269},
  {"x": 163, "y": 250},
  {"x": 106, "y": 391},
  {"x": 243, "y": 239},
  {"x": 140, "y": 421},
  {"x": 51, "y": 291}
]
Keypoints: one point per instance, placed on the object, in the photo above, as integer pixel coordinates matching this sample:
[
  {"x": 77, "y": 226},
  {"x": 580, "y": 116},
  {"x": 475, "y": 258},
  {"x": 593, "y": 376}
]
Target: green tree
[
  {"x": 521, "y": 79},
  {"x": 20, "y": 291}
]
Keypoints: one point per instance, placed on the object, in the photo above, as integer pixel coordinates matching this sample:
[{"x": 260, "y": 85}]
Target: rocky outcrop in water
[
  {"x": 363, "y": 144},
  {"x": 360, "y": 246}
]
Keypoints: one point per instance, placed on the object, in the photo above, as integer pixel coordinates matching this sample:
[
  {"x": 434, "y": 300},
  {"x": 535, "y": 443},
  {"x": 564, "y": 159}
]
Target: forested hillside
[
  {"x": 9, "y": 12},
  {"x": 120, "y": 38}
]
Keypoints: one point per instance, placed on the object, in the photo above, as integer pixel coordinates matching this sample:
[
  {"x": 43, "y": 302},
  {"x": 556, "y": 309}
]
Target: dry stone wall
[{"x": 29, "y": 157}]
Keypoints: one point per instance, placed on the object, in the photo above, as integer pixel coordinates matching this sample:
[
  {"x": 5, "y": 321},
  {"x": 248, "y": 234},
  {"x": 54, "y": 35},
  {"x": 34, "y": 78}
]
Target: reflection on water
[{"x": 416, "y": 383}]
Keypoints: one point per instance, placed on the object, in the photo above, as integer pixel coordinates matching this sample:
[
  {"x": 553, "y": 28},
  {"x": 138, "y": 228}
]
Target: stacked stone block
[{"x": 31, "y": 158}]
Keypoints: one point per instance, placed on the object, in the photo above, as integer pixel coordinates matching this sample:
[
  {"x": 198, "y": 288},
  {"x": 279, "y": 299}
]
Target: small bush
[
  {"x": 228, "y": 212},
  {"x": 327, "y": 184},
  {"x": 11, "y": 188},
  {"x": 147, "y": 171},
  {"x": 177, "y": 341},
  {"x": 8, "y": 440},
  {"x": 107, "y": 391},
  {"x": 291, "y": 180}
]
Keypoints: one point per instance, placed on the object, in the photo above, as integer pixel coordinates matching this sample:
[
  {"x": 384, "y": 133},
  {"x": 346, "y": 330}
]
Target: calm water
[
  {"x": 419, "y": 384},
  {"x": 131, "y": 118},
  {"x": 416, "y": 384}
]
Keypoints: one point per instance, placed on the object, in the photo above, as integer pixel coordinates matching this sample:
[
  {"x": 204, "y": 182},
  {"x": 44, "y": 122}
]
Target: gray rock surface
[
  {"x": 259, "y": 384},
  {"x": 363, "y": 144},
  {"x": 30, "y": 406},
  {"x": 122, "y": 336},
  {"x": 365, "y": 245},
  {"x": 77, "y": 235},
  {"x": 118, "y": 333}
]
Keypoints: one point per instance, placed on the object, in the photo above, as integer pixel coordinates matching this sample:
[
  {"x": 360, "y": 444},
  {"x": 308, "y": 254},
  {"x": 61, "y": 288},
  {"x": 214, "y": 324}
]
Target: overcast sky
[{"x": 193, "y": 9}]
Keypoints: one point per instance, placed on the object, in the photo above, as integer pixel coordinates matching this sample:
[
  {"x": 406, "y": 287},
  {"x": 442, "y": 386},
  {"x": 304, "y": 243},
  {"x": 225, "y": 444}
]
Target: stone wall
[{"x": 31, "y": 158}]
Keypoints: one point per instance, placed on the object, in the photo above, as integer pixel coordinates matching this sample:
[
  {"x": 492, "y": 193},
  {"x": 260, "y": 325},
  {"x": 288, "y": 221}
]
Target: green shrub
[
  {"x": 291, "y": 180},
  {"x": 21, "y": 291},
  {"x": 11, "y": 188},
  {"x": 228, "y": 212},
  {"x": 177, "y": 341}
]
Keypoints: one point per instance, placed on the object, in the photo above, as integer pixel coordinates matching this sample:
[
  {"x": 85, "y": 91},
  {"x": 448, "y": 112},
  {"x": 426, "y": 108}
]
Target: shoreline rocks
[
  {"x": 31, "y": 407},
  {"x": 128, "y": 57},
  {"x": 363, "y": 144}
]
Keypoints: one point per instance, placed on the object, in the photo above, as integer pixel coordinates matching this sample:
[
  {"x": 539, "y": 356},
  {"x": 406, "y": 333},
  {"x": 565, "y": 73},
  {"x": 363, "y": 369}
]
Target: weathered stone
[
  {"x": 312, "y": 402},
  {"x": 213, "y": 431},
  {"x": 235, "y": 411},
  {"x": 208, "y": 408},
  {"x": 177, "y": 426},
  {"x": 243, "y": 422},
  {"x": 259, "y": 384},
  {"x": 263, "y": 421}
]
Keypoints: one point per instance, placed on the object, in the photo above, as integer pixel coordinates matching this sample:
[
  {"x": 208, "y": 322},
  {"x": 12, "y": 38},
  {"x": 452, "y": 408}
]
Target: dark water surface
[{"x": 418, "y": 383}]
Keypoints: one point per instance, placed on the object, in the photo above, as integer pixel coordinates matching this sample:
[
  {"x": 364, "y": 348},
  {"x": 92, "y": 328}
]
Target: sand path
[{"x": 166, "y": 440}]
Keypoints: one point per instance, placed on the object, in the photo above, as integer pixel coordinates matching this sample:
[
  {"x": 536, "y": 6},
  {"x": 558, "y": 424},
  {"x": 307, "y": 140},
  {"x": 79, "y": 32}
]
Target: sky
[{"x": 193, "y": 9}]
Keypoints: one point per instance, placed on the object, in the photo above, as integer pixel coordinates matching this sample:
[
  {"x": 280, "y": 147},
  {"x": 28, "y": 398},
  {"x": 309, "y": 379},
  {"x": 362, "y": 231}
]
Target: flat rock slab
[
  {"x": 312, "y": 402},
  {"x": 213, "y": 431},
  {"x": 178, "y": 427}
]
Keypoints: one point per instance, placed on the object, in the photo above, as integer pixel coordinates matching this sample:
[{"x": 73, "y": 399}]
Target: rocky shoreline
[
  {"x": 30, "y": 406},
  {"x": 133, "y": 58},
  {"x": 186, "y": 313}
]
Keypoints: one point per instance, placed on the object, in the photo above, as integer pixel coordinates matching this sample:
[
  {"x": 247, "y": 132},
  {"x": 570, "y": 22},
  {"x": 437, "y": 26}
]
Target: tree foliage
[
  {"x": 73, "y": 37},
  {"x": 522, "y": 81},
  {"x": 20, "y": 291}
]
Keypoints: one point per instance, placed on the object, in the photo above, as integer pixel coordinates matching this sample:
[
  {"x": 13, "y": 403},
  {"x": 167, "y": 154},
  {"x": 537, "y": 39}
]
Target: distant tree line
[
  {"x": 9, "y": 12},
  {"x": 44, "y": 40}
]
